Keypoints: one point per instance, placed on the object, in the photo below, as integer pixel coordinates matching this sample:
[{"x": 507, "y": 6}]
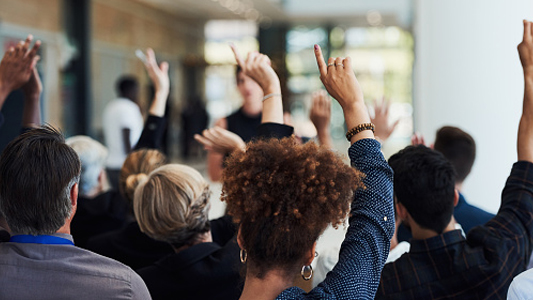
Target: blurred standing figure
[
  {"x": 123, "y": 124},
  {"x": 243, "y": 122}
]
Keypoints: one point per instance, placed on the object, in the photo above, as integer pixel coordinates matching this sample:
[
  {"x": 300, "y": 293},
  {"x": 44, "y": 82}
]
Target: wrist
[{"x": 272, "y": 89}]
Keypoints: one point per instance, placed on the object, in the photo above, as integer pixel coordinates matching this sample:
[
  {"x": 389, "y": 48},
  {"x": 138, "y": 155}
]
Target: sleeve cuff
[{"x": 274, "y": 130}]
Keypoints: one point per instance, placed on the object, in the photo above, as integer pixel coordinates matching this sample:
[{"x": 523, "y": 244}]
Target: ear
[
  {"x": 402, "y": 211},
  {"x": 74, "y": 195},
  {"x": 310, "y": 255},
  {"x": 456, "y": 198},
  {"x": 239, "y": 239}
]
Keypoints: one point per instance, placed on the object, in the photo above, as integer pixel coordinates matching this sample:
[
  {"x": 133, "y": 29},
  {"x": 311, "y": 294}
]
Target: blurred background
[{"x": 439, "y": 62}]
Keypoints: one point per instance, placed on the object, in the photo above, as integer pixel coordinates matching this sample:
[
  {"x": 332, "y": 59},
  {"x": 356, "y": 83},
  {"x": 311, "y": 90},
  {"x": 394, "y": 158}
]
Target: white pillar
[{"x": 468, "y": 74}]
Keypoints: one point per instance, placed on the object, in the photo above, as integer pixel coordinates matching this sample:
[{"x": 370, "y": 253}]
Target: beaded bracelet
[
  {"x": 271, "y": 95},
  {"x": 359, "y": 128}
]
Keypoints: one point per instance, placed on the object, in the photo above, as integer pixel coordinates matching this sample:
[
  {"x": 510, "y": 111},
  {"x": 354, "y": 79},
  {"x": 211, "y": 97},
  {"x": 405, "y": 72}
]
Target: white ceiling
[{"x": 393, "y": 12}]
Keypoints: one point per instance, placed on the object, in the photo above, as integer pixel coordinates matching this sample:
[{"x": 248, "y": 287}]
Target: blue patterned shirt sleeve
[{"x": 366, "y": 246}]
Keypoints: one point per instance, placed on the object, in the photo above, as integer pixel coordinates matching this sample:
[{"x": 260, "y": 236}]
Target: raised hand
[
  {"x": 159, "y": 76},
  {"x": 417, "y": 139},
  {"x": 381, "y": 119},
  {"x": 16, "y": 67},
  {"x": 220, "y": 140},
  {"x": 34, "y": 87},
  {"x": 320, "y": 115},
  {"x": 525, "y": 49},
  {"x": 258, "y": 67},
  {"x": 340, "y": 82},
  {"x": 525, "y": 129}
]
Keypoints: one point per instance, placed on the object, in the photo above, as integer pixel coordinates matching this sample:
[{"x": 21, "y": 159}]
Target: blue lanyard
[{"x": 40, "y": 239}]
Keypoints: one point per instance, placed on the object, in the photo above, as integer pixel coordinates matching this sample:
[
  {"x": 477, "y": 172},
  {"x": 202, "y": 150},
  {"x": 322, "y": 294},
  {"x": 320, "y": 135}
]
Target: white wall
[{"x": 468, "y": 74}]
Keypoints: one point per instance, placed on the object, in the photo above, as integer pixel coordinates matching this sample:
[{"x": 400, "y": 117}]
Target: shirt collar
[
  {"x": 440, "y": 241},
  {"x": 42, "y": 239}
]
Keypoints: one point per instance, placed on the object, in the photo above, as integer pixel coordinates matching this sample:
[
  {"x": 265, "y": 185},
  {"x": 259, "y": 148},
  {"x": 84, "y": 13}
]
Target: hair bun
[{"x": 133, "y": 181}]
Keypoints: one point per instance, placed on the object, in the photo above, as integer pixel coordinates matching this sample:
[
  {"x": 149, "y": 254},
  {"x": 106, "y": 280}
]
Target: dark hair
[
  {"x": 458, "y": 147},
  {"x": 127, "y": 85},
  {"x": 424, "y": 182},
  {"x": 37, "y": 172},
  {"x": 284, "y": 195}
]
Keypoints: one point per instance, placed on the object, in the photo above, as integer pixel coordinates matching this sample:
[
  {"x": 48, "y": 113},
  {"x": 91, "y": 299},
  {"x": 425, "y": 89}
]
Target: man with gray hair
[
  {"x": 39, "y": 177},
  {"x": 100, "y": 210}
]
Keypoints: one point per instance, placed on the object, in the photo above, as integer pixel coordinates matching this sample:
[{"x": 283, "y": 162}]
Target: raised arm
[
  {"x": 31, "y": 114},
  {"x": 366, "y": 245},
  {"x": 340, "y": 82},
  {"x": 154, "y": 126},
  {"x": 320, "y": 115},
  {"x": 381, "y": 120},
  {"x": 259, "y": 68},
  {"x": 525, "y": 129},
  {"x": 17, "y": 66}
]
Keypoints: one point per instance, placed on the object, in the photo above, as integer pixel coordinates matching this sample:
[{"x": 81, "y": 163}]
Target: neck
[
  {"x": 252, "y": 108},
  {"x": 394, "y": 240},
  {"x": 204, "y": 238},
  {"x": 267, "y": 288},
  {"x": 420, "y": 233},
  {"x": 459, "y": 186}
]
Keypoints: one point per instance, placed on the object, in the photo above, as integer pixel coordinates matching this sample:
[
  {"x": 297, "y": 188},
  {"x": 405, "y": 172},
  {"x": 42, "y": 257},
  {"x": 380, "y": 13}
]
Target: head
[
  {"x": 458, "y": 147},
  {"x": 136, "y": 167},
  {"x": 92, "y": 155},
  {"x": 128, "y": 87},
  {"x": 251, "y": 92},
  {"x": 424, "y": 185},
  {"x": 284, "y": 195},
  {"x": 172, "y": 205},
  {"x": 39, "y": 177}
]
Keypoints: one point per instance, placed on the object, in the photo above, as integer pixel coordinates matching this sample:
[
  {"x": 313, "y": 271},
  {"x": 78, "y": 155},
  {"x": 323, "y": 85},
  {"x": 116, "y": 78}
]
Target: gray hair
[{"x": 92, "y": 155}]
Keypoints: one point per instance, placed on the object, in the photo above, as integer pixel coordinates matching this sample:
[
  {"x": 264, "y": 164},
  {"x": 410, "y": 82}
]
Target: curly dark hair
[{"x": 284, "y": 195}]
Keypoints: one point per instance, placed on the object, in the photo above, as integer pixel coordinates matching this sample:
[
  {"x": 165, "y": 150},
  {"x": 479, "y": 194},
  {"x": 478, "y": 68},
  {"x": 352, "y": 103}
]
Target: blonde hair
[
  {"x": 172, "y": 205},
  {"x": 137, "y": 165}
]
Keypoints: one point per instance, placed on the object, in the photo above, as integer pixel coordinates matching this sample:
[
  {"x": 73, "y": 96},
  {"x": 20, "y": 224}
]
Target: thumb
[{"x": 164, "y": 67}]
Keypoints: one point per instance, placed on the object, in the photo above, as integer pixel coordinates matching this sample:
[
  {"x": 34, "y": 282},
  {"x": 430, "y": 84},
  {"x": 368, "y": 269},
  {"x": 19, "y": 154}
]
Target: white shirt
[
  {"x": 522, "y": 287},
  {"x": 119, "y": 114}
]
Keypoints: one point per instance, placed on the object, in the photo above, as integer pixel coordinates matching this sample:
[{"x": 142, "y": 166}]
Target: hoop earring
[
  {"x": 307, "y": 270},
  {"x": 243, "y": 255}
]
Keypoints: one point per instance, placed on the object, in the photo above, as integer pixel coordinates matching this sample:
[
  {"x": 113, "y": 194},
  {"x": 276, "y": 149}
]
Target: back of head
[
  {"x": 37, "y": 172},
  {"x": 92, "y": 156},
  {"x": 128, "y": 87},
  {"x": 284, "y": 195},
  {"x": 458, "y": 147},
  {"x": 136, "y": 167},
  {"x": 172, "y": 205},
  {"x": 424, "y": 182}
]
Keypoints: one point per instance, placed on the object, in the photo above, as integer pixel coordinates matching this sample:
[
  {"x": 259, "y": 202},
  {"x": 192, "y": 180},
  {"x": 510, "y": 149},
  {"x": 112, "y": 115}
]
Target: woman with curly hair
[{"x": 283, "y": 195}]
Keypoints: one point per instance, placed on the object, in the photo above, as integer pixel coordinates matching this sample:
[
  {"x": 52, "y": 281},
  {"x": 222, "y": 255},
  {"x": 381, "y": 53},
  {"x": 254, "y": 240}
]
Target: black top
[
  {"x": 103, "y": 213},
  {"x": 203, "y": 271},
  {"x": 130, "y": 246},
  {"x": 243, "y": 125}
]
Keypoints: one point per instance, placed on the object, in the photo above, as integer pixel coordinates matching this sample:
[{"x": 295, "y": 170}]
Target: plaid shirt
[{"x": 481, "y": 266}]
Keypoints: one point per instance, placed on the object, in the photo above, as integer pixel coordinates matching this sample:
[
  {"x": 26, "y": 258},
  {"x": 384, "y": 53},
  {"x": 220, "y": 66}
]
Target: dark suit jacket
[
  {"x": 203, "y": 271},
  {"x": 130, "y": 246}
]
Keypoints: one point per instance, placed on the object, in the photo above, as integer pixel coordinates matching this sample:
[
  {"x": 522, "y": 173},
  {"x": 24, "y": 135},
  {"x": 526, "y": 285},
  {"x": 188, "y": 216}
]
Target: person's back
[
  {"x": 42, "y": 271},
  {"x": 121, "y": 114},
  {"x": 40, "y": 260}
]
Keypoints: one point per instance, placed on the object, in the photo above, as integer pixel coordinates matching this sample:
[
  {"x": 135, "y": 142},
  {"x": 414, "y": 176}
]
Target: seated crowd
[{"x": 411, "y": 233}]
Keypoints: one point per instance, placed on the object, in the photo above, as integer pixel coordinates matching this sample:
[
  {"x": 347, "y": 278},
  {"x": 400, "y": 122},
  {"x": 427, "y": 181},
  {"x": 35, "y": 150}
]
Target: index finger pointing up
[
  {"x": 238, "y": 57},
  {"x": 322, "y": 67},
  {"x": 527, "y": 30}
]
